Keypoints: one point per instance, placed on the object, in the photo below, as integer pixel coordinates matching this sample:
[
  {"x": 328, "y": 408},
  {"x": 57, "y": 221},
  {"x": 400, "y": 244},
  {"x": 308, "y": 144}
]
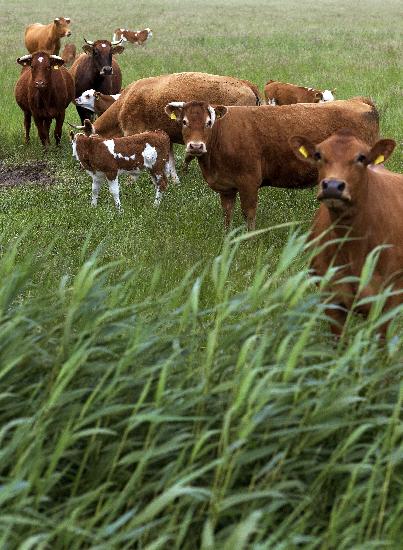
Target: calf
[
  {"x": 97, "y": 69},
  {"x": 281, "y": 93},
  {"x": 69, "y": 53},
  {"x": 96, "y": 101},
  {"x": 361, "y": 208},
  {"x": 135, "y": 37},
  {"x": 108, "y": 158},
  {"x": 43, "y": 91},
  {"x": 240, "y": 149},
  {"x": 47, "y": 37}
]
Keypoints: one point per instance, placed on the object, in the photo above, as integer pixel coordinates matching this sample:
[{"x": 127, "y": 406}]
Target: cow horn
[
  {"x": 76, "y": 127},
  {"x": 117, "y": 42},
  {"x": 89, "y": 42}
]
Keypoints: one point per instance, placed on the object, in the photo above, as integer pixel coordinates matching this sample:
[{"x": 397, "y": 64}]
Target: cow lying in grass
[
  {"x": 94, "y": 101},
  {"x": 107, "y": 158},
  {"x": 135, "y": 37},
  {"x": 363, "y": 204},
  {"x": 282, "y": 93}
]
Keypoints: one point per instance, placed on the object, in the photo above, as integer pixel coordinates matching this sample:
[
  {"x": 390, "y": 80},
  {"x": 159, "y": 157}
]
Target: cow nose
[
  {"x": 196, "y": 147},
  {"x": 106, "y": 70},
  {"x": 40, "y": 84},
  {"x": 332, "y": 188},
  {"x": 68, "y": 33}
]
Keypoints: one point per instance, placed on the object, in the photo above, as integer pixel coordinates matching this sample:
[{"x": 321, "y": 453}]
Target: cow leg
[
  {"x": 114, "y": 190},
  {"x": 46, "y": 129},
  {"x": 43, "y": 136},
  {"x": 337, "y": 319},
  {"x": 248, "y": 197},
  {"x": 27, "y": 124},
  {"x": 172, "y": 170},
  {"x": 227, "y": 202},
  {"x": 96, "y": 185},
  {"x": 59, "y": 127},
  {"x": 188, "y": 160},
  {"x": 160, "y": 183}
]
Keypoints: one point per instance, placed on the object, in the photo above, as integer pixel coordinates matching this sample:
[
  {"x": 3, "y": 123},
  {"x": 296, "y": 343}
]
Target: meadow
[{"x": 163, "y": 385}]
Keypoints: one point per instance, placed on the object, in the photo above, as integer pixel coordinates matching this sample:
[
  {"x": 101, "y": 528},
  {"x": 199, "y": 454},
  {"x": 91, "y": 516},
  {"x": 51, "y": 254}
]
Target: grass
[{"x": 162, "y": 386}]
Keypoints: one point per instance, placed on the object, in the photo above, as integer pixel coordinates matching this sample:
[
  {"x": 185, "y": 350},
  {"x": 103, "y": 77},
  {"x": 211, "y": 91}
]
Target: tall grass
[{"x": 179, "y": 422}]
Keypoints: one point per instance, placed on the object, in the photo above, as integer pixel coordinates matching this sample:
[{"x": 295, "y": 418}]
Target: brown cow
[
  {"x": 282, "y": 93},
  {"x": 363, "y": 204},
  {"x": 97, "y": 69},
  {"x": 135, "y": 37},
  {"x": 69, "y": 53},
  {"x": 47, "y": 37},
  {"x": 247, "y": 147},
  {"x": 96, "y": 101},
  {"x": 44, "y": 90},
  {"x": 141, "y": 105},
  {"x": 108, "y": 158}
]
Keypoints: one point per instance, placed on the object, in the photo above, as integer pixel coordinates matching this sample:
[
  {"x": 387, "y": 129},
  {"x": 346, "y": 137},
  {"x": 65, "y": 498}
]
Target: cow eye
[
  {"x": 361, "y": 158},
  {"x": 317, "y": 155}
]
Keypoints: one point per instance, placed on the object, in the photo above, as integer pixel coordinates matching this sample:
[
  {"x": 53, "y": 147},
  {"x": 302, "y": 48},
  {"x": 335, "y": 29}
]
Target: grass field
[{"x": 162, "y": 386}]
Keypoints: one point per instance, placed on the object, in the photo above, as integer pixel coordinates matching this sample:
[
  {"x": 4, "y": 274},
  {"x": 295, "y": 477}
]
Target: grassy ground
[{"x": 226, "y": 418}]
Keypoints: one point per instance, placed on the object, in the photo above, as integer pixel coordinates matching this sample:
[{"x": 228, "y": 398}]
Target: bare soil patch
[{"x": 37, "y": 172}]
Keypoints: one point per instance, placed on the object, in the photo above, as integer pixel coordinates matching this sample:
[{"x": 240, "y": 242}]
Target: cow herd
[{"x": 300, "y": 138}]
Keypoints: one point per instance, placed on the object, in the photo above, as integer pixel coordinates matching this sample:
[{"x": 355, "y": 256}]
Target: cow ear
[
  {"x": 220, "y": 111},
  {"x": 97, "y": 95},
  {"x": 174, "y": 110},
  {"x": 87, "y": 49},
  {"x": 56, "y": 20},
  {"x": 303, "y": 149},
  {"x": 88, "y": 127},
  {"x": 67, "y": 19},
  {"x": 25, "y": 60},
  {"x": 117, "y": 49},
  {"x": 56, "y": 61},
  {"x": 381, "y": 151}
]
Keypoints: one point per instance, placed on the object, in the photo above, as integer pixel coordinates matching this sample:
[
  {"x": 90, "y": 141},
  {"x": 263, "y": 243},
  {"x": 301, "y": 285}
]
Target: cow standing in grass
[
  {"x": 69, "y": 54},
  {"x": 47, "y": 37},
  {"x": 241, "y": 149},
  {"x": 43, "y": 91},
  {"x": 97, "y": 69},
  {"x": 362, "y": 206}
]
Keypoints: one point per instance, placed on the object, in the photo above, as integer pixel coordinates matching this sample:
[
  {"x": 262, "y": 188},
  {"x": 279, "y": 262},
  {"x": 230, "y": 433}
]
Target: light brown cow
[
  {"x": 282, "y": 93},
  {"x": 47, "y": 37},
  {"x": 141, "y": 105},
  {"x": 69, "y": 53},
  {"x": 107, "y": 158},
  {"x": 240, "y": 149},
  {"x": 363, "y": 204},
  {"x": 135, "y": 37}
]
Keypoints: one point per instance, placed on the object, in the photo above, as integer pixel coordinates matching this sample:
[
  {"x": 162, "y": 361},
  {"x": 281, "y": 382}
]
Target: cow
[
  {"x": 361, "y": 208},
  {"x": 43, "y": 91},
  {"x": 97, "y": 69},
  {"x": 282, "y": 93},
  {"x": 141, "y": 105},
  {"x": 69, "y": 53},
  {"x": 47, "y": 37},
  {"x": 95, "y": 101},
  {"x": 107, "y": 158},
  {"x": 135, "y": 37},
  {"x": 240, "y": 149}
]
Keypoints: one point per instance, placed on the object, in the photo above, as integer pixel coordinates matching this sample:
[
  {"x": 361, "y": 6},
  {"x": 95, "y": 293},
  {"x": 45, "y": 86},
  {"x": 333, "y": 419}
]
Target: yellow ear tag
[
  {"x": 303, "y": 151},
  {"x": 379, "y": 159},
  {"x": 55, "y": 67},
  {"x": 173, "y": 116}
]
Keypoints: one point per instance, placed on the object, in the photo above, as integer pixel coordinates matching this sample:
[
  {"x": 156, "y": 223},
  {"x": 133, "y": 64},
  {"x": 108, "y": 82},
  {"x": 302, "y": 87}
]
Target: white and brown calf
[
  {"x": 96, "y": 102},
  {"x": 107, "y": 158}
]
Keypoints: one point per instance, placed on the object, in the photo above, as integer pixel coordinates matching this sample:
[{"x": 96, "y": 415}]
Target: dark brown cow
[
  {"x": 97, "y": 69},
  {"x": 107, "y": 158},
  {"x": 363, "y": 204},
  {"x": 135, "y": 37},
  {"x": 247, "y": 147},
  {"x": 47, "y": 37},
  {"x": 44, "y": 90},
  {"x": 282, "y": 93},
  {"x": 69, "y": 53}
]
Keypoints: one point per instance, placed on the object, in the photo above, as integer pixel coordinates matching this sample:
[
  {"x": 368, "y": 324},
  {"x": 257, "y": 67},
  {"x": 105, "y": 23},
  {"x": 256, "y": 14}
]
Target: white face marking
[
  {"x": 150, "y": 156},
  {"x": 40, "y": 59},
  {"x": 86, "y": 99},
  {"x": 212, "y": 115},
  {"x": 271, "y": 102},
  {"x": 103, "y": 45},
  {"x": 327, "y": 95}
]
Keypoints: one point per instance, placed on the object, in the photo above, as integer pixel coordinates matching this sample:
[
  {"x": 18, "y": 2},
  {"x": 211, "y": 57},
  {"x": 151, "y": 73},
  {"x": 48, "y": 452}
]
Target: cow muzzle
[
  {"x": 40, "y": 84},
  {"x": 68, "y": 33},
  {"x": 333, "y": 189},
  {"x": 106, "y": 71},
  {"x": 196, "y": 148}
]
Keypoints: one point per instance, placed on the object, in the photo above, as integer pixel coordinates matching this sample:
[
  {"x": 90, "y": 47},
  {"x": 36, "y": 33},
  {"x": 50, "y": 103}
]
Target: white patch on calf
[
  {"x": 327, "y": 95},
  {"x": 74, "y": 147},
  {"x": 110, "y": 145},
  {"x": 212, "y": 114},
  {"x": 115, "y": 96},
  {"x": 87, "y": 102},
  {"x": 122, "y": 30},
  {"x": 150, "y": 156},
  {"x": 177, "y": 103}
]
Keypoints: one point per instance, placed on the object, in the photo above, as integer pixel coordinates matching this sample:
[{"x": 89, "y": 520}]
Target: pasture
[{"x": 162, "y": 386}]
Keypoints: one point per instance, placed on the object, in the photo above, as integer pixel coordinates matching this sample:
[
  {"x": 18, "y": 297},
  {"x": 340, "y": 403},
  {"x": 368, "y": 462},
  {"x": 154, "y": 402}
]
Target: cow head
[
  {"x": 42, "y": 65},
  {"x": 87, "y": 99},
  {"x": 62, "y": 26},
  {"x": 342, "y": 161},
  {"x": 197, "y": 119},
  {"x": 101, "y": 52},
  {"x": 327, "y": 95}
]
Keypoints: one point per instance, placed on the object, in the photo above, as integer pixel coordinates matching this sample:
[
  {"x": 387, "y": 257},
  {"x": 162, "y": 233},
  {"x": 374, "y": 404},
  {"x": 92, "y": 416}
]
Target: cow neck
[{"x": 45, "y": 98}]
